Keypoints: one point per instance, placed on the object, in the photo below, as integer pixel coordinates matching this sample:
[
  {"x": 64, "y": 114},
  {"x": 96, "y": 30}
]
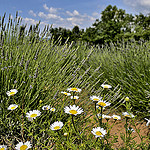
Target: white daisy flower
[
  {"x": 148, "y": 121},
  {"x": 12, "y": 92},
  {"x": 73, "y": 110},
  {"x": 56, "y": 125},
  {"x": 47, "y": 107},
  {"x": 99, "y": 132},
  {"x": 52, "y": 109},
  {"x": 95, "y": 98},
  {"x": 12, "y": 107},
  {"x": 3, "y": 147},
  {"x": 104, "y": 116},
  {"x": 128, "y": 115},
  {"x": 74, "y": 90},
  {"x": 106, "y": 86},
  {"x": 33, "y": 114},
  {"x": 103, "y": 103},
  {"x": 65, "y": 93},
  {"x": 23, "y": 146},
  {"x": 116, "y": 117},
  {"x": 74, "y": 97}
]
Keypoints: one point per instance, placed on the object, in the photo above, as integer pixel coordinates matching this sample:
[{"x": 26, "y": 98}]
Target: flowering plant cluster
[{"x": 101, "y": 132}]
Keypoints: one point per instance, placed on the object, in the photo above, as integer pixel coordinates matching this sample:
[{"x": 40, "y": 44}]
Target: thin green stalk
[
  {"x": 101, "y": 116},
  {"x": 73, "y": 123},
  {"x": 73, "y": 98}
]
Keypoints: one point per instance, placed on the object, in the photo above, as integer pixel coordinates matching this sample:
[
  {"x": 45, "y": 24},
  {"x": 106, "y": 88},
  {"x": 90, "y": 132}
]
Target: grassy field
[{"x": 39, "y": 70}]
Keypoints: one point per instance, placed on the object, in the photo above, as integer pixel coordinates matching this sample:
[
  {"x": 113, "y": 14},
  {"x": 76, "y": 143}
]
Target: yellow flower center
[
  {"x": 13, "y": 107},
  {"x": 102, "y": 104},
  {"x": 53, "y": 109},
  {"x": 115, "y": 117},
  {"x": 65, "y": 93},
  {"x": 40, "y": 101},
  {"x": 2, "y": 148},
  {"x": 105, "y": 86},
  {"x": 33, "y": 115},
  {"x": 23, "y": 147},
  {"x": 12, "y": 93},
  {"x": 73, "y": 112},
  {"x": 74, "y": 89},
  {"x": 98, "y": 133},
  {"x": 57, "y": 127},
  {"x": 95, "y": 99},
  {"x": 127, "y": 99},
  {"x": 127, "y": 116}
]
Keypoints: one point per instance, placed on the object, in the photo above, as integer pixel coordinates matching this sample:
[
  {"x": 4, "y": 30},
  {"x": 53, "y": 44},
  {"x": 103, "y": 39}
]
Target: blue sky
[{"x": 68, "y": 13}]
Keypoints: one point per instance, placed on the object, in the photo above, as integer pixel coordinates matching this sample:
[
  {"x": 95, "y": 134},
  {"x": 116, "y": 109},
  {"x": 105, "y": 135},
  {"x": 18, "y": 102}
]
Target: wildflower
[
  {"x": 127, "y": 99},
  {"x": 95, "y": 98},
  {"x": 23, "y": 146},
  {"x": 52, "y": 109},
  {"x": 33, "y": 114},
  {"x": 12, "y": 107},
  {"x": 40, "y": 101},
  {"x": 74, "y": 90},
  {"x": 99, "y": 132},
  {"x": 103, "y": 103},
  {"x": 56, "y": 125},
  {"x": 47, "y": 107},
  {"x": 104, "y": 116},
  {"x": 11, "y": 92},
  {"x": 106, "y": 86},
  {"x": 73, "y": 110},
  {"x": 3, "y": 147},
  {"x": 65, "y": 134},
  {"x": 148, "y": 121},
  {"x": 116, "y": 117},
  {"x": 128, "y": 115},
  {"x": 65, "y": 93},
  {"x": 74, "y": 97}
]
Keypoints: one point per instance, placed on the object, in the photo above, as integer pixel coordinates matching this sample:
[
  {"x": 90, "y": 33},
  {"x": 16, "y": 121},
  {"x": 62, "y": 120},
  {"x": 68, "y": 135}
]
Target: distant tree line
[{"x": 114, "y": 25}]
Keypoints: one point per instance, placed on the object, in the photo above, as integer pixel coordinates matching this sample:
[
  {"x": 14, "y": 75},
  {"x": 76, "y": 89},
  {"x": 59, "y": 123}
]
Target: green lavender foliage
[
  {"x": 127, "y": 64},
  {"x": 40, "y": 69}
]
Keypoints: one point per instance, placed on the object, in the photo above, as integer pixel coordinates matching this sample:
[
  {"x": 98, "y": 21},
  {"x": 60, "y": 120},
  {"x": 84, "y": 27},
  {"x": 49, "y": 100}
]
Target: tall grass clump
[
  {"x": 127, "y": 64},
  {"x": 57, "y": 96}
]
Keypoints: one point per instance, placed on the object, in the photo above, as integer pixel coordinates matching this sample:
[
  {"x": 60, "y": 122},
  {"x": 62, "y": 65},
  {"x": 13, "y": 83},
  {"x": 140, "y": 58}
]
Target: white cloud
[
  {"x": 51, "y": 9},
  {"x": 74, "y": 13},
  {"x": 32, "y": 13},
  {"x": 61, "y": 18},
  {"x": 30, "y": 21},
  {"x": 82, "y": 20},
  {"x": 142, "y": 6},
  {"x": 96, "y": 14},
  {"x": 49, "y": 16}
]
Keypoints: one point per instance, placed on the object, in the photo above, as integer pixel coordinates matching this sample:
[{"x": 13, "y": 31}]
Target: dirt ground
[{"x": 118, "y": 128}]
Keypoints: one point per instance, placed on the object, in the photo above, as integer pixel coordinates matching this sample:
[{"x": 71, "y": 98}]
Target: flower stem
[
  {"x": 73, "y": 123},
  {"x": 101, "y": 116},
  {"x": 73, "y": 98}
]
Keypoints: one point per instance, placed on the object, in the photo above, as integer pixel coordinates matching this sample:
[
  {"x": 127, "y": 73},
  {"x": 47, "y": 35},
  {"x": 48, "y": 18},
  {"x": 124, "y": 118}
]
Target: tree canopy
[{"x": 113, "y": 25}]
